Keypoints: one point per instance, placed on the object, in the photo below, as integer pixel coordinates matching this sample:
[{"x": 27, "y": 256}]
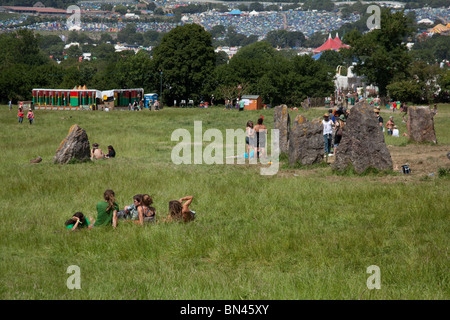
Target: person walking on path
[
  {"x": 20, "y": 115},
  {"x": 30, "y": 116}
]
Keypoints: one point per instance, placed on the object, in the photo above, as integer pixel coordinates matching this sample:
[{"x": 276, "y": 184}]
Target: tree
[
  {"x": 127, "y": 34},
  {"x": 218, "y": 31},
  {"x": 121, "y": 9},
  {"x": 381, "y": 54},
  {"x": 186, "y": 58},
  {"x": 257, "y": 6},
  {"x": 22, "y": 65},
  {"x": 285, "y": 39},
  {"x": 277, "y": 77},
  {"x": 326, "y": 5}
]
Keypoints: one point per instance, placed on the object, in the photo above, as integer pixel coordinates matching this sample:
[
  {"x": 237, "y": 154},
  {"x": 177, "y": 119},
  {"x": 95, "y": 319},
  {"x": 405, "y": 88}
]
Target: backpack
[{"x": 406, "y": 169}]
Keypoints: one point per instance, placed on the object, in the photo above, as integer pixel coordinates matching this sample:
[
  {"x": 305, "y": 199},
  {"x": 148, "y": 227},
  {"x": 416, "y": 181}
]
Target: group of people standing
[
  {"x": 256, "y": 138},
  {"x": 135, "y": 106},
  {"x": 139, "y": 212},
  {"x": 240, "y": 104},
  {"x": 30, "y": 115}
]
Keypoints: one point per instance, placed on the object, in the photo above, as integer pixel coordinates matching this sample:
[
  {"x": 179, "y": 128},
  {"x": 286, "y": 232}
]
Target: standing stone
[
  {"x": 74, "y": 146},
  {"x": 306, "y": 142},
  {"x": 362, "y": 145},
  {"x": 282, "y": 122},
  {"x": 420, "y": 125},
  {"x": 299, "y": 119}
]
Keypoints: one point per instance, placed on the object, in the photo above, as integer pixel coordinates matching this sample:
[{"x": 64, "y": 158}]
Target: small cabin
[{"x": 252, "y": 102}]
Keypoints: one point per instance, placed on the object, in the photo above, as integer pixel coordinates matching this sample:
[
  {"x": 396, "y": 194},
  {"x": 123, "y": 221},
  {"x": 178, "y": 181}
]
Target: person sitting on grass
[
  {"x": 130, "y": 212},
  {"x": 96, "y": 152},
  {"x": 111, "y": 152},
  {"x": 145, "y": 212},
  {"x": 179, "y": 210},
  {"x": 78, "y": 221},
  {"x": 107, "y": 210}
]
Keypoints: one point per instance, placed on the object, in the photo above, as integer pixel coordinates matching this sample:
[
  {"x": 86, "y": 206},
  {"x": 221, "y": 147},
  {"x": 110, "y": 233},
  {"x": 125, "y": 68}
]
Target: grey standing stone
[
  {"x": 74, "y": 146},
  {"x": 362, "y": 145},
  {"x": 420, "y": 124},
  {"x": 282, "y": 122},
  {"x": 306, "y": 142}
]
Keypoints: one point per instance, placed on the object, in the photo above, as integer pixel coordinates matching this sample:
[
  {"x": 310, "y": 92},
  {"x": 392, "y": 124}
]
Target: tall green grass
[{"x": 287, "y": 236}]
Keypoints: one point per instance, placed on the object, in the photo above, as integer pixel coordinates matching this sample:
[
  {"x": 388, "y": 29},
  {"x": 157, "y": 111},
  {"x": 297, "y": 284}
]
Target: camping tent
[{"x": 235, "y": 12}]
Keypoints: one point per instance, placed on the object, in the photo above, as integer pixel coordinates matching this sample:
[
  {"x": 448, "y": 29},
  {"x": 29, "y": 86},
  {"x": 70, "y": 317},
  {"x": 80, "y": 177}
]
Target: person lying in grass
[
  {"x": 179, "y": 210},
  {"x": 78, "y": 221}
]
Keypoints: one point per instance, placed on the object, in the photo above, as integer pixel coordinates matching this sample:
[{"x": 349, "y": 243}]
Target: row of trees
[
  {"x": 190, "y": 70},
  {"x": 185, "y": 63}
]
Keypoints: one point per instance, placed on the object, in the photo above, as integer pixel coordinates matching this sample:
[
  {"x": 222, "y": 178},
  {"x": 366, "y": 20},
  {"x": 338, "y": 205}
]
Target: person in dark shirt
[
  {"x": 380, "y": 118},
  {"x": 111, "y": 152}
]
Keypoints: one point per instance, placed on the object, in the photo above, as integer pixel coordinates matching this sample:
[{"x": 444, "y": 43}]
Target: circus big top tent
[{"x": 331, "y": 44}]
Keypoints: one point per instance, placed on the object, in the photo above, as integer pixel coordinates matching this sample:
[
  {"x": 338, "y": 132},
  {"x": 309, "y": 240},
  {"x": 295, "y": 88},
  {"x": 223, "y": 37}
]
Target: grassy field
[{"x": 304, "y": 233}]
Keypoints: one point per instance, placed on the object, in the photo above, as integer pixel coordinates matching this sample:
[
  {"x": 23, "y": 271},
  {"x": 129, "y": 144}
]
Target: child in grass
[
  {"x": 78, "y": 220},
  {"x": 30, "y": 116}
]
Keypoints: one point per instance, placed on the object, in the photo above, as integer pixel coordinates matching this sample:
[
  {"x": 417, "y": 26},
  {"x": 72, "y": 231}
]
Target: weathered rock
[
  {"x": 306, "y": 141},
  {"x": 74, "y": 146},
  {"x": 420, "y": 124},
  {"x": 282, "y": 122},
  {"x": 36, "y": 160},
  {"x": 299, "y": 119},
  {"x": 362, "y": 145}
]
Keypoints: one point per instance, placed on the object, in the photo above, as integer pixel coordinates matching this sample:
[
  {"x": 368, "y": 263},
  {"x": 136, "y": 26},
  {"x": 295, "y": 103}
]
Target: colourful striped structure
[
  {"x": 74, "y": 99},
  {"x": 64, "y": 99}
]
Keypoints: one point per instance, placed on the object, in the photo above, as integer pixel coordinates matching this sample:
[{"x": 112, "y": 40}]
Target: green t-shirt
[
  {"x": 104, "y": 218},
  {"x": 80, "y": 225}
]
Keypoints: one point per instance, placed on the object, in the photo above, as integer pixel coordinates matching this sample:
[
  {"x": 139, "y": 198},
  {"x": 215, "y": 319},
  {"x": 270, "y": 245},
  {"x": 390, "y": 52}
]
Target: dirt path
[{"x": 422, "y": 159}]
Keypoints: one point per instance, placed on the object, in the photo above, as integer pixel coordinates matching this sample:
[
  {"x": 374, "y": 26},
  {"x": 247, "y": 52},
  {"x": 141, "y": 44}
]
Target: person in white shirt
[
  {"x": 327, "y": 133},
  {"x": 395, "y": 132}
]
